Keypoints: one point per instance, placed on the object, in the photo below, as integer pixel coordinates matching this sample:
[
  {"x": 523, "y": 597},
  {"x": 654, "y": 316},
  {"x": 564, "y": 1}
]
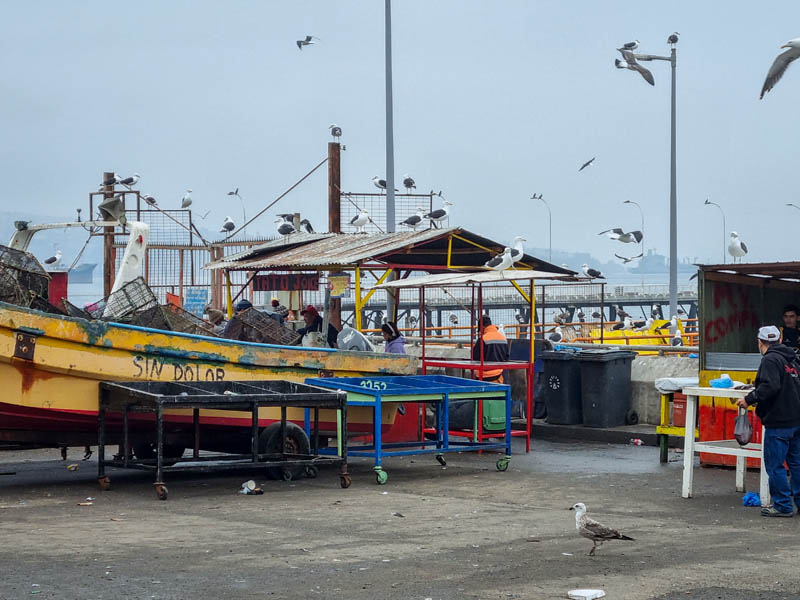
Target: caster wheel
[
  {"x": 502, "y": 464},
  {"x": 311, "y": 472},
  {"x": 104, "y": 482},
  {"x": 381, "y": 477},
  {"x": 441, "y": 460},
  {"x": 287, "y": 475},
  {"x": 161, "y": 491},
  {"x": 344, "y": 481}
]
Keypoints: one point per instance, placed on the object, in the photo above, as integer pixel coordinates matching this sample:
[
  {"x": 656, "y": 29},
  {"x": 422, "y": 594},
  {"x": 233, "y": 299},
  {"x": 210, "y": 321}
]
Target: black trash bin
[
  {"x": 605, "y": 386},
  {"x": 561, "y": 376}
]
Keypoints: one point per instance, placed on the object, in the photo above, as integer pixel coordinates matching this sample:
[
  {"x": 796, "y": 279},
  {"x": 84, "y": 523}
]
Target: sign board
[
  {"x": 339, "y": 285},
  {"x": 286, "y": 282},
  {"x": 195, "y": 300}
]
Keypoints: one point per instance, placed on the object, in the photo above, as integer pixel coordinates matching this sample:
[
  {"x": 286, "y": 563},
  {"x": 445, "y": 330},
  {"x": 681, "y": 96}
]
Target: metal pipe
[
  {"x": 550, "y": 229},
  {"x": 673, "y": 202},
  {"x": 390, "y": 216}
]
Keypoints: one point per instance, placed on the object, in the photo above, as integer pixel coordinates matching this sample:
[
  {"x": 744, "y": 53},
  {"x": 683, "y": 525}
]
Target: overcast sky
[{"x": 493, "y": 101}]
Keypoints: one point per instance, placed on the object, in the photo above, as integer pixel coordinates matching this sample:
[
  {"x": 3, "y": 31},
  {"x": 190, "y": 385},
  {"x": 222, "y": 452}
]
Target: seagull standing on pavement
[
  {"x": 361, "y": 219},
  {"x": 593, "y": 273},
  {"x": 592, "y": 530},
  {"x": 736, "y": 247},
  {"x": 186, "y": 201}
]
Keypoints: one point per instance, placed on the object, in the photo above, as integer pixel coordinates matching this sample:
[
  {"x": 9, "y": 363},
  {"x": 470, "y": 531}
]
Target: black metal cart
[{"x": 156, "y": 397}]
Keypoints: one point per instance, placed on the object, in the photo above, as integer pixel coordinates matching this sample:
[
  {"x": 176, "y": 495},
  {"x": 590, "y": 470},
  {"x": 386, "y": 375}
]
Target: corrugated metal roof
[
  {"x": 298, "y": 238},
  {"x": 448, "y": 279}
]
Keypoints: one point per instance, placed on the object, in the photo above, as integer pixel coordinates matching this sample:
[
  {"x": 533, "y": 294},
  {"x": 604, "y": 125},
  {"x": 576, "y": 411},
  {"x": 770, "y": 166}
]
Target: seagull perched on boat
[
  {"x": 593, "y": 273},
  {"x": 307, "y": 42},
  {"x": 55, "y": 259},
  {"x": 306, "y": 224},
  {"x": 592, "y": 530},
  {"x": 673, "y": 39},
  {"x": 361, "y": 219},
  {"x": 186, "y": 201},
  {"x": 780, "y": 64},
  {"x": 440, "y": 214},
  {"x": 588, "y": 163},
  {"x": 630, "y": 45},
  {"x": 336, "y": 131},
  {"x": 380, "y": 183},
  {"x": 500, "y": 262},
  {"x": 129, "y": 182},
  {"x": 518, "y": 250},
  {"x": 619, "y": 235},
  {"x": 409, "y": 183},
  {"x": 414, "y": 220},
  {"x": 626, "y": 260},
  {"x": 629, "y": 62},
  {"x": 736, "y": 247},
  {"x": 227, "y": 225}
]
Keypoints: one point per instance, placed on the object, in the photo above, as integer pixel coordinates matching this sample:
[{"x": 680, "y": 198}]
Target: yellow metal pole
[
  {"x": 521, "y": 291},
  {"x": 378, "y": 282},
  {"x": 449, "y": 250},
  {"x": 532, "y": 300},
  {"x": 359, "y": 304},
  {"x": 228, "y": 295}
]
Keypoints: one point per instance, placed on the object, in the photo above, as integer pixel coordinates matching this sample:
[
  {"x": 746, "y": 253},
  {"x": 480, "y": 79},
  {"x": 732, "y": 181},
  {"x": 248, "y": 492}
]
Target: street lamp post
[
  {"x": 641, "y": 214},
  {"x": 793, "y": 205},
  {"x": 390, "y": 216},
  {"x": 549, "y": 229},
  {"x": 724, "y": 229},
  {"x": 673, "y": 198}
]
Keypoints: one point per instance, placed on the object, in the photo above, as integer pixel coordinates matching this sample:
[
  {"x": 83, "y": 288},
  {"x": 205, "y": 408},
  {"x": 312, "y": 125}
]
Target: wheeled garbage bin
[
  {"x": 562, "y": 387},
  {"x": 605, "y": 386}
]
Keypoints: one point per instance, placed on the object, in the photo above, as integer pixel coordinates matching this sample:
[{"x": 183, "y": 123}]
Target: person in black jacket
[
  {"x": 314, "y": 323},
  {"x": 777, "y": 401},
  {"x": 790, "y": 334}
]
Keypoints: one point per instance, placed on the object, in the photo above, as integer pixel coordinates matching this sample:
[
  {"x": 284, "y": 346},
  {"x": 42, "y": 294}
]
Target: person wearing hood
[
  {"x": 395, "y": 342},
  {"x": 777, "y": 399}
]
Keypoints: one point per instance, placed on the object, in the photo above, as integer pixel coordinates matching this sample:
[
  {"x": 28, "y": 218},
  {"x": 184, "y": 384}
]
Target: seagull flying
[
  {"x": 307, "y": 42},
  {"x": 629, "y": 62},
  {"x": 56, "y": 258},
  {"x": 440, "y": 214},
  {"x": 233, "y": 193},
  {"x": 361, "y": 219},
  {"x": 673, "y": 39},
  {"x": 129, "y": 182},
  {"x": 518, "y": 250},
  {"x": 625, "y": 260},
  {"x": 593, "y": 273},
  {"x": 186, "y": 201},
  {"x": 380, "y": 183},
  {"x": 588, "y": 163},
  {"x": 780, "y": 64},
  {"x": 500, "y": 262},
  {"x": 736, "y": 247},
  {"x": 306, "y": 224},
  {"x": 227, "y": 226},
  {"x": 592, "y": 530},
  {"x": 408, "y": 183},
  {"x": 630, "y": 46},
  {"x": 621, "y": 236},
  {"x": 414, "y": 220},
  {"x": 336, "y": 131}
]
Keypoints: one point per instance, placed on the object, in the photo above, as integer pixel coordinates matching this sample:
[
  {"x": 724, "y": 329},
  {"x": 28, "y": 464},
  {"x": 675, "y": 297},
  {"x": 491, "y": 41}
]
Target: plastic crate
[
  {"x": 169, "y": 317},
  {"x": 123, "y": 305}
]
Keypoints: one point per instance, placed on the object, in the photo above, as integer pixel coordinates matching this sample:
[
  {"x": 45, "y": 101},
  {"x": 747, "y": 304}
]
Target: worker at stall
[
  {"x": 231, "y": 325},
  {"x": 495, "y": 349},
  {"x": 279, "y": 308},
  {"x": 314, "y": 323},
  {"x": 777, "y": 399},
  {"x": 790, "y": 334},
  {"x": 395, "y": 342}
]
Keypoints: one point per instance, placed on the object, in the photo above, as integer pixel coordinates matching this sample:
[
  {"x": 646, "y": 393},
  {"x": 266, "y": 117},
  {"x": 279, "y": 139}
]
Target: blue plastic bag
[
  {"x": 724, "y": 381},
  {"x": 751, "y": 499}
]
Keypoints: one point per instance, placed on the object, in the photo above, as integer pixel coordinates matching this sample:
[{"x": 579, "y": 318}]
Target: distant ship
[
  {"x": 658, "y": 263},
  {"x": 82, "y": 273}
]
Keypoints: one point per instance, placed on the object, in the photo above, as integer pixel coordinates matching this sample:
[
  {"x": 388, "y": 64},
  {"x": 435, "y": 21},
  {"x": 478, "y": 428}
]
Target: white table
[{"x": 728, "y": 447}]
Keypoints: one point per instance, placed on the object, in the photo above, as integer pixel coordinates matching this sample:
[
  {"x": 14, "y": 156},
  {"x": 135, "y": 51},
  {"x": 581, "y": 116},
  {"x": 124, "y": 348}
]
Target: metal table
[
  {"x": 729, "y": 447},
  {"x": 435, "y": 389},
  {"x": 157, "y": 397}
]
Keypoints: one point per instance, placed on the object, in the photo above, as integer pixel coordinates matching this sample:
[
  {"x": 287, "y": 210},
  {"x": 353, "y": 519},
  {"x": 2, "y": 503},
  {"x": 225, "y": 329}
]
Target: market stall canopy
[
  {"x": 453, "y": 279},
  {"x": 785, "y": 271}
]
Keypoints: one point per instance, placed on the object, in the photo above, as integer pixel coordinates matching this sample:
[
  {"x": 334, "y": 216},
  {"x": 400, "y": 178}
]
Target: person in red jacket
[{"x": 495, "y": 349}]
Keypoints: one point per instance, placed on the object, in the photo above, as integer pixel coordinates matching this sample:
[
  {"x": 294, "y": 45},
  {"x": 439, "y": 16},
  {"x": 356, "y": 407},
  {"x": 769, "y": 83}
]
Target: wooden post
[
  {"x": 334, "y": 306},
  {"x": 108, "y": 240}
]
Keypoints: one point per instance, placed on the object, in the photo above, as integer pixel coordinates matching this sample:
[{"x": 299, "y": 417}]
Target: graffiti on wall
[{"x": 733, "y": 311}]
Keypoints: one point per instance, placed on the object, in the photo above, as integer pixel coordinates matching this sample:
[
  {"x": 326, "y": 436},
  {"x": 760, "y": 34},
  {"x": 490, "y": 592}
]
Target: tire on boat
[{"x": 297, "y": 442}]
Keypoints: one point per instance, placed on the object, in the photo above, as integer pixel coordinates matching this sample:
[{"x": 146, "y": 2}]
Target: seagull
[
  {"x": 672, "y": 324},
  {"x": 588, "y": 163},
  {"x": 408, "y": 183},
  {"x": 519, "y": 317},
  {"x": 676, "y": 340},
  {"x": 113, "y": 180},
  {"x": 186, "y": 201},
  {"x": 643, "y": 325},
  {"x": 129, "y": 182},
  {"x": 619, "y": 235},
  {"x": 780, "y": 64},
  {"x": 336, "y": 131},
  {"x": 500, "y": 262},
  {"x": 681, "y": 313},
  {"x": 562, "y": 317},
  {"x": 592, "y": 530},
  {"x": 557, "y": 335},
  {"x": 629, "y": 62},
  {"x": 539, "y": 197},
  {"x": 736, "y": 247},
  {"x": 621, "y": 311},
  {"x": 440, "y": 214},
  {"x": 656, "y": 312},
  {"x": 149, "y": 199},
  {"x": 56, "y": 258},
  {"x": 307, "y": 42},
  {"x": 227, "y": 226},
  {"x": 414, "y": 220},
  {"x": 581, "y": 315},
  {"x": 453, "y": 318},
  {"x": 630, "y": 46},
  {"x": 306, "y": 224},
  {"x": 626, "y": 260},
  {"x": 593, "y": 273},
  {"x": 284, "y": 227},
  {"x": 233, "y": 193},
  {"x": 673, "y": 39},
  {"x": 518, "y": 250},
  {"x": 380, "y": 183},
  {"x": 361, "y": 219}
]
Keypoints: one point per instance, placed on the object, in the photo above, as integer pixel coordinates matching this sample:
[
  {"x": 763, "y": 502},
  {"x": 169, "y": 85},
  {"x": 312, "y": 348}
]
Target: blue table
[{"x": 434, "y": 389}]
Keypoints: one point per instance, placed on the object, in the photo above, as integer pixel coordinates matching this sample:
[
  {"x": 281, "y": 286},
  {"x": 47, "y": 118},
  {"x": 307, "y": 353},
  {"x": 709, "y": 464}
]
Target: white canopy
[{"x": 453, "y": 279}]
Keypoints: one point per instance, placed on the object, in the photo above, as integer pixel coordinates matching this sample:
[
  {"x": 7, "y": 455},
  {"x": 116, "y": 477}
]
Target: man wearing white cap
[{"x": 777, "y": 399}]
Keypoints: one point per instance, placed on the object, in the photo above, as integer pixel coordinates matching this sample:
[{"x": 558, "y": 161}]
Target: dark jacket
[
  {"x": 790, "y": 337},
  {"x": 776, "y": 393},
  {"x": 333, "y": 333}
]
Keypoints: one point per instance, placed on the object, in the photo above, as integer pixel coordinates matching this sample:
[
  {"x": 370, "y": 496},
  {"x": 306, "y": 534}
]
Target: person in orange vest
[{"x": 495, "y": 349}]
